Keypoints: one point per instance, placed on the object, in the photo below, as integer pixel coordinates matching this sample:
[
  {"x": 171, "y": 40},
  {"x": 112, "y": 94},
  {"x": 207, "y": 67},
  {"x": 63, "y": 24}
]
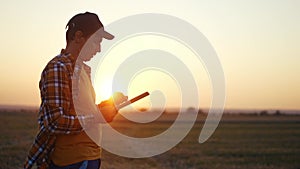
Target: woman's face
[{"x": 91, "y": 47}]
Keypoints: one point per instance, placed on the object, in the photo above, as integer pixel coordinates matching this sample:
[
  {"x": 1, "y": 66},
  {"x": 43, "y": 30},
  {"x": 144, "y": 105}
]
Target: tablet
[{"x": 132, "y": 100}]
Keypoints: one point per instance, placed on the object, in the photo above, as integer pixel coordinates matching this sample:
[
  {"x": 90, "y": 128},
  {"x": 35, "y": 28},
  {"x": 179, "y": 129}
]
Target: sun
[{"x": 103, "y": 89}]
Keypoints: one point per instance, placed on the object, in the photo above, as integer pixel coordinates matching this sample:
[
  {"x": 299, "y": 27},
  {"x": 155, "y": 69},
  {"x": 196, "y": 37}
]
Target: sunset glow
[{"x": 257, "y": 44}]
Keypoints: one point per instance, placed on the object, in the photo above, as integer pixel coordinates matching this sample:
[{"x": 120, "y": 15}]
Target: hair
[{"x": 70, "y": 33}]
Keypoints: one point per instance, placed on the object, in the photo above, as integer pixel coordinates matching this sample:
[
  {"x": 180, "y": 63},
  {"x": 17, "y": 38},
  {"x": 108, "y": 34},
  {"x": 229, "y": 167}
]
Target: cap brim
[{"x": 107, "y": 35}]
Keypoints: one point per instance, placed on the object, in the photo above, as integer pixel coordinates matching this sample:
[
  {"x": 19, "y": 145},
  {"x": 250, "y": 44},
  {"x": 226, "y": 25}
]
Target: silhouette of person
[{"x": 68, "y": 102}]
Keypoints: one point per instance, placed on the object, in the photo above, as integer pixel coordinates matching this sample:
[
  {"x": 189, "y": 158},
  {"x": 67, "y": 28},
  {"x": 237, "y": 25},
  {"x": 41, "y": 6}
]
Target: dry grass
[{"x": 240, "y": 142}]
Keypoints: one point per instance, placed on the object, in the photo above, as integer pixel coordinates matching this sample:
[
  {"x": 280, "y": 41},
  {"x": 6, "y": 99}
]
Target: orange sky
[{"x": 257, "y": 43}]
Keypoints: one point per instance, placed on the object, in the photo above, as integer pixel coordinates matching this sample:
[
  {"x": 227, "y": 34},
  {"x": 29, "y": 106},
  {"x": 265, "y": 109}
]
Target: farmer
[{"x": 62, "y": 142}]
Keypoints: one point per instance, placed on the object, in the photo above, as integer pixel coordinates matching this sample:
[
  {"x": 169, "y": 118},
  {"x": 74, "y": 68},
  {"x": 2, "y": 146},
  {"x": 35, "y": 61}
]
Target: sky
[{"x": 257, "y": 43}]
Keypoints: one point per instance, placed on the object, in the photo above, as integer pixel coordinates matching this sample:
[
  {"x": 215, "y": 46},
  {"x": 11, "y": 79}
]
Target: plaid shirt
[{"x": 54, "y": 114}]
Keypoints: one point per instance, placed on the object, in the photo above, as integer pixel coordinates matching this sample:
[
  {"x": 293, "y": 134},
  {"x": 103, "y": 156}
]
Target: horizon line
[{"x": 20, "y": 106}]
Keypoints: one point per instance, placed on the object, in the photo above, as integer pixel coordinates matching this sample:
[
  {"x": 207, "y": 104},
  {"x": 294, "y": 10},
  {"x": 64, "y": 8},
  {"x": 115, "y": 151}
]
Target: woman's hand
[{"x": 108, "y": 107}]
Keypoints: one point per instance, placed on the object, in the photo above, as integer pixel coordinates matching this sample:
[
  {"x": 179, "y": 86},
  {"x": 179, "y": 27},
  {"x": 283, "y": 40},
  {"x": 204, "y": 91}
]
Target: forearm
[{"x": 57, "y": 122}]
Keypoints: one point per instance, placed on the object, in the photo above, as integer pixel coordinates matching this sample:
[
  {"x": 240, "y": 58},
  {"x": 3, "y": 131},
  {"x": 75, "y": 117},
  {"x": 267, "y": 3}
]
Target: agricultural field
[{"x": 239, "y": 142}]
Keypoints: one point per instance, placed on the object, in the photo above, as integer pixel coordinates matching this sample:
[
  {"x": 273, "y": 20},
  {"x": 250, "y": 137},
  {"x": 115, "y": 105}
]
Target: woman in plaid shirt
[{"x": 61, "y": 142}]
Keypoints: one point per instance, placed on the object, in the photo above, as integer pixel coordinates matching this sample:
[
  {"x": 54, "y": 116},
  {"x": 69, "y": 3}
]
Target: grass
[
  {"x": 17, "y": 130},
  {"x": 240, "y": 142}
]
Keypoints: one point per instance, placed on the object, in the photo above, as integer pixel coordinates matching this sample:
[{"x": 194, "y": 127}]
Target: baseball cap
[{"x": 88, "y": 23}]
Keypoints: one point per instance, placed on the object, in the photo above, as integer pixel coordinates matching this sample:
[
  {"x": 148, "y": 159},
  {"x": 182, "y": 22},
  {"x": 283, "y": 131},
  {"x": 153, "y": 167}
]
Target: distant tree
[
  {"x": 23, "y": 110},
  {"x": 143, "y": 109},
  {"x": 264, "y": 113},
  {"x": 200, "y": 111},
  {"x": 277, "y": 112},
  {"x": 191, "y": 110}
]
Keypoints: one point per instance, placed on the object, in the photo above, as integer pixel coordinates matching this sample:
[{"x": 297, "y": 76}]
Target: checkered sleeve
[{"x": 57, "y": 101}]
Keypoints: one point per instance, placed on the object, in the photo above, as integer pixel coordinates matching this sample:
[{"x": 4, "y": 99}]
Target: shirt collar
[{"x": 68, "y": 55}]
